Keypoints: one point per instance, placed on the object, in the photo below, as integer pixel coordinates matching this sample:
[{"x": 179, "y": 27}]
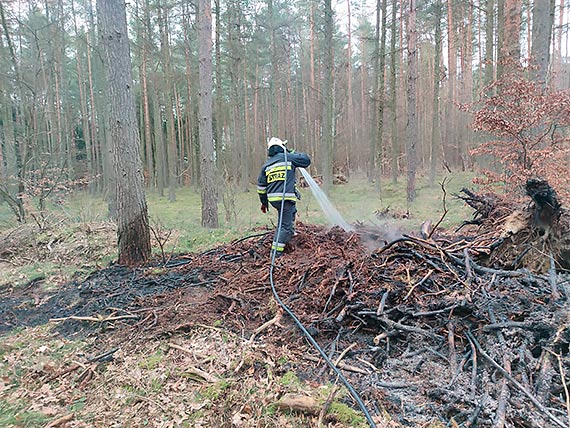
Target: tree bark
[
  {"x": 412, "y": 128},
  {"x": 132, "y": 218},
  {"x": 489, "y": 52},
  {"x": 393, "y": 91},
  {"x": 86, "y": 129},
  {"x": 500, "y": 36},
  {"x": 160, "y": 149},
  {"x": 168, "y": 102},
  {"x": 145, "y": 99},
  {"x": 378, "y": 152},
  {"x": 511, "y": 44},
  {"x": 557, "y": 60},
  {"x": 191, "y": 120},
  {"x": 435, "y": 128},
  {"x": 350, "y": 101},
  {"x": 209, "y": 193},
  {"x": 542, "y": 22},
  {"x": 327, "y": 100},
  {"x": 451, "y": 138}
]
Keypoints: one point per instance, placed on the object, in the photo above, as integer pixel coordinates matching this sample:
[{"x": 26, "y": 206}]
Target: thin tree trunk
[
  {"x": 160, "y": 150},
  {"x": 247, "y": 141},
  {"x": 412, "y": 128},
  {"x": 402, "y": 105},
  {"x": 314, "y": 91},
  {"x": 182, "y": 171},
  {"x": 96, "y": 154},
  {"x": 219, "y": 96},
  {"x": 83, "y": 100},
  {"x": 149, "y": 153},
  {"x": 465, "y": 91},
  {"x": 207, "y": 151},
  {"x": 14, "y": 148},
  {"x": 379, "y": 149},
  {"x": 350, "y": 102},
  {"x": 168, "y": 102},
  {"x": 435, "y": 128},
  {"x": 194, "y": 158},
  {"x": 327, "y": 153},
  {"x": 274, "y": 100},
  {"x": 451, "y": 117},
  {"x": 557, "y": 60},
  {"x": 500, "y": 35},
  {"x": 364, "y": 109},
  {"x": 489, "y": 29},
  {"x": 393, "y": 91}
]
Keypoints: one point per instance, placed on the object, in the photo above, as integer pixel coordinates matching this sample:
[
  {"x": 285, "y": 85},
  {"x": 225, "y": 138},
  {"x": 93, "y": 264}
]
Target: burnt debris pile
[{"x": 471, "y": 327}]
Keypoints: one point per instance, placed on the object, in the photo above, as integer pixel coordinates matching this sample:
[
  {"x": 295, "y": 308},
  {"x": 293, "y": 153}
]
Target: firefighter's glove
[
  {"x": 264, "y": 208},
  {"x": 297, "y": 194}
]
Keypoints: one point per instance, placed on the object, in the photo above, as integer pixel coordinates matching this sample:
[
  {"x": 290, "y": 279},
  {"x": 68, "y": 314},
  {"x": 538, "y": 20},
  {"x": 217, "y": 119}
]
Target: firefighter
[{"x": 277, "y": 182}]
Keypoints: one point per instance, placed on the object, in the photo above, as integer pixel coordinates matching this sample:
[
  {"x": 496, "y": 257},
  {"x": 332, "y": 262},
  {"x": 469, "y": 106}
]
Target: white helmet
[{"x": 274, "y": 141}]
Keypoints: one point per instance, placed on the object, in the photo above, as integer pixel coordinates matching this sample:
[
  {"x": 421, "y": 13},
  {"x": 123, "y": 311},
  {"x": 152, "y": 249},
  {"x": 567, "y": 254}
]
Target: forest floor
[{"x": 453, "y": 328}]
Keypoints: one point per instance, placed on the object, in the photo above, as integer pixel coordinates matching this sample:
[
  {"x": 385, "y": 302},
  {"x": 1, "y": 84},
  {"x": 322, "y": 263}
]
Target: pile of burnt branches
[
  {"x": 425, "y": 330},
  {"x": 483, "y": 346}
]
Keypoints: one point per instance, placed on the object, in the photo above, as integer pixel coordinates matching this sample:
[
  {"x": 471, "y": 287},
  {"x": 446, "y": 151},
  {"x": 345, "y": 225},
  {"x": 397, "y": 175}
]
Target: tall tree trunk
[
  {"x": 145, "y": 98},
  {"x": 350, "y": 103},
  {"x": 500, "y": 35},
  {"x": 435, "y": 128},
  {"x": 557, "y": 60},
  {"x": 542, "y": 22},
  {"x": 219, "y": 95},
  {"x": 238, "y": 160},
  {"x": 364, "y": 119},
  {"x": 132, "y": 217},
  {"x": 489, "y": 54},
  {"x": 16, "y": 160},
  {"x": 314, "y": 124},
  {"x": 246, "y": 148},
  {"x": 465, "y": 90},
  {"x": 511, "y": 45},
  {"x": 193, "y": 144},
  {"x": 393, "y": 91},
  {"x": 451, "y": 138},
  {"x": 160, "y": 148},
  {"x": 412, "y": 128},
  {"x": 83, "y": 99},
  {"x": 92, "y": 117},
  {"x": 403, "y": 97},
  {"x": 171, "y": 149},
  {"x": 274, "y": 100},
  {"x": 327, "y": 101},
  {"x": 378, "y": 153},
  {"x": 207, "y": 152}
]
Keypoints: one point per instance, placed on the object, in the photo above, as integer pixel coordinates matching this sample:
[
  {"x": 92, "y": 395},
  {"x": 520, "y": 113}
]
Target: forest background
[{"x": 387, "y": 90}]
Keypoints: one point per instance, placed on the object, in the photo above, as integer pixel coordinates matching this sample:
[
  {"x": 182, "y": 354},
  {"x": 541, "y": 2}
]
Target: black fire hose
[{"x": 301, "y": 327}]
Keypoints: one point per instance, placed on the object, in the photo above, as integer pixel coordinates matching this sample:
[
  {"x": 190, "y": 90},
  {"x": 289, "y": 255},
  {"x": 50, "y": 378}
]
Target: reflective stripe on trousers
[{"x": 287, "y": 224}]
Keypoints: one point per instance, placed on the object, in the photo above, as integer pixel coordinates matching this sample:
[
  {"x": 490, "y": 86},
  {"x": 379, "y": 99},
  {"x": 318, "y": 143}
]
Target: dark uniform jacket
[{"x": 271, "y": 181}]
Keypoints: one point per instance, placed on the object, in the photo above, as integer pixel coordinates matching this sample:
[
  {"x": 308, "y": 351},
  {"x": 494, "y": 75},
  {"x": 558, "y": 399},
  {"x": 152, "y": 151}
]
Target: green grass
[
  {"x": 359, "y": 201},
  {"x": 152, "y": 361},
  {"x": 239, "y": 213},
  {"x": 16, "y": 415}
]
